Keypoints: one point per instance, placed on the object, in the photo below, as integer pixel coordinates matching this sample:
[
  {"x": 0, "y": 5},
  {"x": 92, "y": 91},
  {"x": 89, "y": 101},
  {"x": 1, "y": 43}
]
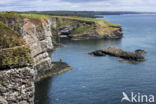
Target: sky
[{"x": 78, "y": 5}]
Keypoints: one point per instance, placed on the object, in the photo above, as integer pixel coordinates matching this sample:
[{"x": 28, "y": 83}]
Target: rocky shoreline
[{"x": 89, "y": 37}]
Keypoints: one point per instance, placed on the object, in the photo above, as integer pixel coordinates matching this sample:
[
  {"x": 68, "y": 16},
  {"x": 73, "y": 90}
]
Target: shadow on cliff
[{"x": 42, "y": 91}]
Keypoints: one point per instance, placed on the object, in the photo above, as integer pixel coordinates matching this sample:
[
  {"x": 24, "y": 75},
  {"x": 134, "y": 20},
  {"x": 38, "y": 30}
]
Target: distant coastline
[{"x": 91, "y": 14}]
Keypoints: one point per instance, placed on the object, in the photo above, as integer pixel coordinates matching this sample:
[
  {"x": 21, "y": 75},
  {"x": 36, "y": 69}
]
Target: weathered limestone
[
  {"x": 17, "y": 86},
  {"x": 38, "y": 36}
]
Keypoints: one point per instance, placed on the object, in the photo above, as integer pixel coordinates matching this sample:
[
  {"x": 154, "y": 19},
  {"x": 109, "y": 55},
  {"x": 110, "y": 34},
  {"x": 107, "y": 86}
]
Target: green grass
[
  {"x": 12, "y": 58},
  {"x": 81, "y": 29},
  {"x": 9, "y": 14},
  {"x": 24, "y": 15},
  {"x": 98, "y": 21},
  {"x": 62, "y": 23},
  {"x": 34, "y": 16}
]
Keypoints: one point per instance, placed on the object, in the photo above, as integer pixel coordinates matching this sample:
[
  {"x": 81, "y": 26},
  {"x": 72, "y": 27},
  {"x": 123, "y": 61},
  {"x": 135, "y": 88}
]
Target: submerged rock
[
  {"x": 117, "y": 52},
  {"x": 140, "y": 51}
]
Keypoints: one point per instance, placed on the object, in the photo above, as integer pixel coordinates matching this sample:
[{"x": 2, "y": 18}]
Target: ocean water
[{"x": 101, "y": 80}]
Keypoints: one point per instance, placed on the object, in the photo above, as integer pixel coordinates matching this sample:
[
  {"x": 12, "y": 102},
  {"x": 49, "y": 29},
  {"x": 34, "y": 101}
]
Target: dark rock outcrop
[
  {"x": 58, "y": 68},
  {"x": 117, "y": 52},
  {"x": 66, "y": 30}
]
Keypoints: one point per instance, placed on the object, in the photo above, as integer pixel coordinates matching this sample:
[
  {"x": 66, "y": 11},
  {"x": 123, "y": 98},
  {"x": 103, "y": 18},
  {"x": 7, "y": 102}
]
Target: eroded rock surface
[{"x": 17, "y": 86}]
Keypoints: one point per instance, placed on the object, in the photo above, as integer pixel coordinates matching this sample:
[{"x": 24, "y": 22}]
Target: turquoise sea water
[{"x": 101, "y": 80}]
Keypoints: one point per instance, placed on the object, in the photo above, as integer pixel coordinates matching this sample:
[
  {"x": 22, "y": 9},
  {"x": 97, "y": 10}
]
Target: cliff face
[
  {"x": 17, "y": 86},
  {"x": 37, "y": 35},
  {"x": 24, "y": 46},
  {"x": 85, "y": 28}
]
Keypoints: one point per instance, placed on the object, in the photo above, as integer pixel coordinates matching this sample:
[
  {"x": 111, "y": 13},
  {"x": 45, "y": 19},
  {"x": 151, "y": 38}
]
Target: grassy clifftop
[
  {"x": 97, "y": 21},
  {"x": 22, "y": 15},
  {"x": 83, "y": 26},
  {"x": 9, "y": 14},
  {"x": 102, "y": 27}
]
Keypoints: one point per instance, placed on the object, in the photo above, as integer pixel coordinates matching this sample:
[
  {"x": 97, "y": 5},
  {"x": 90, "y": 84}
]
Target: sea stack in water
[{"x": 117, "y": 52}]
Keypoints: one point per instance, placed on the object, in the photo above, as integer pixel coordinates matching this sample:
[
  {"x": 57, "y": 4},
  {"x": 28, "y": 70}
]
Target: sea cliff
[
  {"x": 25, "y": 43},
  {"x": 78, "y": 28}
]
